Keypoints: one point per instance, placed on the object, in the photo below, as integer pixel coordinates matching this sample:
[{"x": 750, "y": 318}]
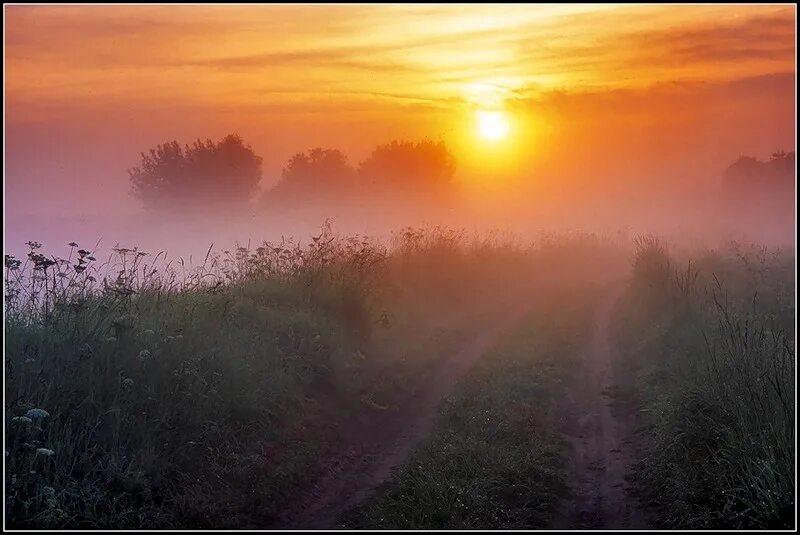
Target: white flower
[
  {"x": 44, "y": 451},
  {"x": 22, "y": 419},
  {"x": 144, "y": 355},
  {"x": 34, "y": 414}
]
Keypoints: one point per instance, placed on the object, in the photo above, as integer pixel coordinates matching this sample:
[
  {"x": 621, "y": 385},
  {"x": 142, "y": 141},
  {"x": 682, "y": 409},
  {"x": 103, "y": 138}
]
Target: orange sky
[{"x": 623, "y": 88}]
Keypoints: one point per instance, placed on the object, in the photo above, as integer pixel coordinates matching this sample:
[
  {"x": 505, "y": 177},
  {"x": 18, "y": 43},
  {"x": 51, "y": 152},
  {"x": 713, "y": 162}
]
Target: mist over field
[
  {"x": 400, "y": 267},
  {"x": 734, "y": 203}
]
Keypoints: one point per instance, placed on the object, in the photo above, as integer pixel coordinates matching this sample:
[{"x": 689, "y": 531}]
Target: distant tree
[
  {"x": 741, "y": 174},
  {"x": 201, "y": 174},
  {"x": 782, "y": 164},
  {"x": 748, "y": 176},
  {"x": 425, "y": 168},
  {"x": 315, "y": 174}
]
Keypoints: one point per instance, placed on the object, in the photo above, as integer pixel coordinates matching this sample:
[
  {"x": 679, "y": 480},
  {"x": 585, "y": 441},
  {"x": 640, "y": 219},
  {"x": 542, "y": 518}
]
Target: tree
[
  {"x": 421, "y": 169},
  {"x": 782, "y": 165},
  {"x": 748, "y": 176},
  {"x": 201, "y": 174},
  {"x": 318, "y": 174},
  {"x": 741, "y": 174}
]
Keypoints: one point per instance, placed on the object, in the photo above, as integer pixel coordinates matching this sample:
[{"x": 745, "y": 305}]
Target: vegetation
[
  {"x": 758, "y": 197},
  {"x": 202, "y": 174},
  {"x": 148, "y": 395},
  {"x": 748, "y": 175},
  {"x": 496, "y": 459},
  {"x": 318, "y": 174},
  {"x": 142, "y": 393},
  {"x": 712, "y": 347},
  {"x": 421, "y": 169}
]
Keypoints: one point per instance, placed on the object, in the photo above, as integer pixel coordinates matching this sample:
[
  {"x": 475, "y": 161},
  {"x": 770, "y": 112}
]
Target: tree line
[{"x": 227, "y": 172}]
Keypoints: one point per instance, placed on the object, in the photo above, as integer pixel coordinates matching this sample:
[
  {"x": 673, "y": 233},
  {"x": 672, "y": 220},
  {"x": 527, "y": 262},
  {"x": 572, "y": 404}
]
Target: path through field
[
  {"x": 382, "y": 440},
  {"x": 600, "y": 426}
]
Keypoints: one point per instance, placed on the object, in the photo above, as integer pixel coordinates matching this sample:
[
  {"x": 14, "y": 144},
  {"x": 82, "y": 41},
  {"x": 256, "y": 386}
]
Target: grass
[
  {"x": 712, "y": 349},
  {"x": 198, "y": 396},
  {"x": 148, "y": 393},
  {"x": 496, "y": 457}
]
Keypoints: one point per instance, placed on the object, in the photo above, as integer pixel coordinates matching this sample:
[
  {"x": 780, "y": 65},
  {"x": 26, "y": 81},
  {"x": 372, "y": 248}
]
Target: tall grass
[
  {"x": 165, "y": 388},
  {"x": 714, "y": 347},
  {"x": 145, "y": 391}
]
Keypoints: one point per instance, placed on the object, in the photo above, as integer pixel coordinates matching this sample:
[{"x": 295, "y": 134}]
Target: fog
[
  {"x": 297, "y": 266},
  {"x": 639, "y": 156}
]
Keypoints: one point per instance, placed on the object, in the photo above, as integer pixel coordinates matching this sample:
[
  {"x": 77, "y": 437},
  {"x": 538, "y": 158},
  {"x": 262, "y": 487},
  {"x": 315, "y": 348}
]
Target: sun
[{"x": 492, "y": 125}]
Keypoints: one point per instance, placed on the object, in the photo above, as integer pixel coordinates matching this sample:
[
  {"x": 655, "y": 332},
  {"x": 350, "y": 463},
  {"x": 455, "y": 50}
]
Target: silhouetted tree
[
  {"x": 782, "y": 164},
  {"x": 316, "y": 174},
  {"x": 759, "y": 197},
  {"x": 748, "y": 176},
  {"x": 425, "y": 168},
  {"x": 204, "y": 173}
]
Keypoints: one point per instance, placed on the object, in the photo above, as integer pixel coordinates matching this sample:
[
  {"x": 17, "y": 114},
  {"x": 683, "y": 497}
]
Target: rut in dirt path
[
  {"x": 378, "y": 442},
  {"x": 600, "y": 427}
]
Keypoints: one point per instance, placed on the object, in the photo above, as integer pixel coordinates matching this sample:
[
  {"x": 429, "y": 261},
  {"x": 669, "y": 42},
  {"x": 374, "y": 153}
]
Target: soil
[
  {"x": 599, "y": 422},
  {"x": 380, "y": 440}
]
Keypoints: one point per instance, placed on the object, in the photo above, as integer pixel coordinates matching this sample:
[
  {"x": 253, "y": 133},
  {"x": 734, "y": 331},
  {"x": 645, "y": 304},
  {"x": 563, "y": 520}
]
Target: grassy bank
[
  {"x": 712, "y": 345},
  {"x": 496, "y": 456}
]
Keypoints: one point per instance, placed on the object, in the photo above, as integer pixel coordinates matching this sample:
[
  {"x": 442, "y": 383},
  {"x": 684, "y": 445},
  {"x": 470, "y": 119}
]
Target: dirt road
[
  {"x": 382, "y": 440},
  {"x": 600, "y": 427}
]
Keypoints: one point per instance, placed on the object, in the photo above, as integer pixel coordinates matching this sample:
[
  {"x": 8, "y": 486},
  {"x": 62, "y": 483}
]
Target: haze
[
  {"x": 404, "y": 267},
  {"x": 618, "y": 115}
]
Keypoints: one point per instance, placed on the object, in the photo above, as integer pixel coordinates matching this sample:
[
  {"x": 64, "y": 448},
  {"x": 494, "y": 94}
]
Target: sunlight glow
[{"x": 492, "y": 125}]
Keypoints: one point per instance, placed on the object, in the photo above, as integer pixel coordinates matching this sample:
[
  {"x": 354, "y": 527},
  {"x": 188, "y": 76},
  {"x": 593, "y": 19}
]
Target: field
[{"x": 435, "y": 379}]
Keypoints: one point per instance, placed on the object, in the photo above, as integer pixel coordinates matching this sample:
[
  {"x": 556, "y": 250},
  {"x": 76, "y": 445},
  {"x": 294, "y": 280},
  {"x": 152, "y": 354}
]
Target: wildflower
[
  {"x": 35, "y": 414},
  {"x": 127, "y": 384},
  {"x": 144, "y": 355},
  {"x": 12, "y": 263},
  {"x": 22, "y": 419},
  {"x": 44, "y": 451}
]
